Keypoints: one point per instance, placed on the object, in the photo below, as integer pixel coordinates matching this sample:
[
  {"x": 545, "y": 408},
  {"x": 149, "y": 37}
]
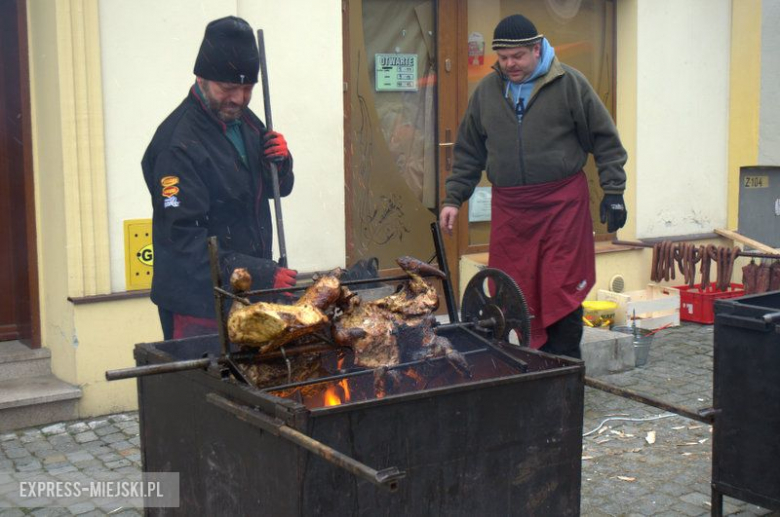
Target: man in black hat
[
  {"x": 530, "y": 126},
  {"x": 207, "y": 169}
]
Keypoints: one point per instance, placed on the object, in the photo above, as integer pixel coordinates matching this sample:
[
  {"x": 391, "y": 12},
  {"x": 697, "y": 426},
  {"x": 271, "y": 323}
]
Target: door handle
[{"x": 447, "y": 146}]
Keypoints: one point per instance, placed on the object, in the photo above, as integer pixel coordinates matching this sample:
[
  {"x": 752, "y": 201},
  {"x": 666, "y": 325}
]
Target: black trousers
[{"x": 564, "y": 336}]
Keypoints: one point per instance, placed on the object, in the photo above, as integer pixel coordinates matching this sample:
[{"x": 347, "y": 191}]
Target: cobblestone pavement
[
  {"x": 655, "y": 467},
  {"x": 103, "y": 449},
  {"x": 663, "y": 466}
]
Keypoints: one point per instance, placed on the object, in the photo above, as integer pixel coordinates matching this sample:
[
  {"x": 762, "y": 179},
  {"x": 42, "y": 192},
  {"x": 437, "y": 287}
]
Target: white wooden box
[{"x": 653, "y": 307}]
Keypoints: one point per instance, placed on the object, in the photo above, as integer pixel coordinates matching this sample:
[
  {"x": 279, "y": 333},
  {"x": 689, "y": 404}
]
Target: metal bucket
[{"x": 642, "y": 341}]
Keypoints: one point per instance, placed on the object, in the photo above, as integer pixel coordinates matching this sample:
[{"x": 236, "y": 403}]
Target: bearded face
[{"x": 226, "y": 100}]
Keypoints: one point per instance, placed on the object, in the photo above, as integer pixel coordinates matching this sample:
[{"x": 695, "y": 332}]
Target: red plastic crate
[{"x": 697, "y": 305}]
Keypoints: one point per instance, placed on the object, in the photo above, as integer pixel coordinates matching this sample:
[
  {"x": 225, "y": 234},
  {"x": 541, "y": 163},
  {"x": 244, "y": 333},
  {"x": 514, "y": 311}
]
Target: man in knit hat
[
  {"x": 530, "y": 126},
  {"x": 207, "y": 169}
]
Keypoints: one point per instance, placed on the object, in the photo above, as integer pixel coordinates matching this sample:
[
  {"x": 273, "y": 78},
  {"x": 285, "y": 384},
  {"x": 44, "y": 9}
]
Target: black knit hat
[
  {"x": 515, "y": 31},
  {"x": 228, "y": 53}
]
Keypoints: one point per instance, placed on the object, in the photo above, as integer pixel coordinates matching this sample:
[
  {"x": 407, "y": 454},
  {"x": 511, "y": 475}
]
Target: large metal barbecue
[{"x": 504, "y": 441}]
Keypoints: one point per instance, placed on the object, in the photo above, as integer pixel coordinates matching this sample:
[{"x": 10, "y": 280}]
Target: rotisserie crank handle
[
  {"x": 269, "y": 124},
  {"x": 386, "y": 478}
]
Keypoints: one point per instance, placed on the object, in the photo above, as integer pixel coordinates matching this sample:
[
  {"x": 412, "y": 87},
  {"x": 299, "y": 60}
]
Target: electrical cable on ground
[{"x": 627, "y": 419}]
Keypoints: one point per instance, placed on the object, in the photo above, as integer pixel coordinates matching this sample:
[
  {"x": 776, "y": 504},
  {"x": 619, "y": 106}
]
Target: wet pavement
[{"x": 657, "y": 466}]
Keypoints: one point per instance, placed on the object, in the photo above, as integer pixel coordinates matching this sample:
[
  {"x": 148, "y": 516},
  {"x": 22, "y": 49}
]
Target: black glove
[{"x": 613, "y": 212}]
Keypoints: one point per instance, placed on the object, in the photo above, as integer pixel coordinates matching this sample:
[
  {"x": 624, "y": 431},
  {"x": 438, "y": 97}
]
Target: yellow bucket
[{"x": 598, "y": 313}]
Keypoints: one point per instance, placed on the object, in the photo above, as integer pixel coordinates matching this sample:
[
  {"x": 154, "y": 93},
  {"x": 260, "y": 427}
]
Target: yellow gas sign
[{"x": 139, "y": 255}]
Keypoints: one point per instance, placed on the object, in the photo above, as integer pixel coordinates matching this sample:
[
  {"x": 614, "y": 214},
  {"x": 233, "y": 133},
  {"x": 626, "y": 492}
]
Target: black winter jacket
[{"x": 200, "y": 187}]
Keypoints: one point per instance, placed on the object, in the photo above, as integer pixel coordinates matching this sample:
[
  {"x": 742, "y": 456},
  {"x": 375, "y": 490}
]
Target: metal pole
[
  {"x": 387, "y": 478},
  {"x": 196, "y": 364},
  {"x": 216, "y": 280},
  {"x": 449, "y": 295},
  {"x": 269, "y": 124},
  {"x": 650, "y": 401}
]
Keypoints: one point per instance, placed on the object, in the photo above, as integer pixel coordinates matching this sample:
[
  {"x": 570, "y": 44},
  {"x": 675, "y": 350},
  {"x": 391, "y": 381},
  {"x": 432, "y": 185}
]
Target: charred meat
[
  {"x": 398, "y": 327},
  {"x": 268, "y": 326}
]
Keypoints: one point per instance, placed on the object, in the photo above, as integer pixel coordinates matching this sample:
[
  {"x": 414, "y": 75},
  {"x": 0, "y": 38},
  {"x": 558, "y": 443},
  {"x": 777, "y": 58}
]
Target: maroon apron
[
  {"x": 190, "y": 326},
  {"x": 542, "y": 236}
]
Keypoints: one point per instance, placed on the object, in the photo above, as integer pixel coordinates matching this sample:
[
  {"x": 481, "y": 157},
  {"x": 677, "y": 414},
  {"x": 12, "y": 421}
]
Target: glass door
[{"x": 391, "y": 177}]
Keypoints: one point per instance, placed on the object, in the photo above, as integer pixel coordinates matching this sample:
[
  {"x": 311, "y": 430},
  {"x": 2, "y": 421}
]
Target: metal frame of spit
[{"x": 228, "y": 358}]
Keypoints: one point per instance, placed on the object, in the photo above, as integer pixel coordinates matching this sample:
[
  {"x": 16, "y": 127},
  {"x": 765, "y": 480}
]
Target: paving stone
[
  {"x": 12, "y": 444},
  {"x": 15, "y": 454},
  {"x": 131, "y": 430},
  {"x": 113, "y": 456},
  {"x": 106, "y": 429},
  {"x": 85, "y": 437},
  {"x": 79, "y": 456},
  {"x": 130, "y": 451},
  {"x": 62, "y": 470},
  {"x": 78, "y": 427},
  {"x": 95, "y": 424},
  {"x": 50, "y": 512},
  {"x": 28, "y": 465},
  {"x": 68, "y": 447},
  {"x": 81, "y": 508},
  {"x": 39, "y": 445},
  {"x": 118, "y": 463},
  {"x": 111, "y": 438},
  {"x": 58, "y": 428},
  {"x": 54, "y": 459},
  {"x": 121, "y": 445},
  {"x": 30, "y": 436},
  {"x": 59, "y": 439}
]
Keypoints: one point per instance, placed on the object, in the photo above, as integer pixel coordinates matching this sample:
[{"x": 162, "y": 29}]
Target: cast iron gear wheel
[{"x": 492, "y": 294}]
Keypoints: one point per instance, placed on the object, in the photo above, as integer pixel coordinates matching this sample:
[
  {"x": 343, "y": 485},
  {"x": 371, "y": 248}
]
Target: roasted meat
[
  {"x": 398, "y": 327},
  {"x": 268, "y": 326}
]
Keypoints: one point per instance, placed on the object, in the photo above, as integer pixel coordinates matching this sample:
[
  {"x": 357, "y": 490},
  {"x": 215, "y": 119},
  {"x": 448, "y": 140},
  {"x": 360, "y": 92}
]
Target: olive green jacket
[{"x": 564, "y": 121}]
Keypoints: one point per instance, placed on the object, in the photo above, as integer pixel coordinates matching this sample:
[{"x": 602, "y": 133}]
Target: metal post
[
  {"x": 216, "y": 280},
  {"x": 269, "y": 124},
  {"x": 449, "y": 294}
]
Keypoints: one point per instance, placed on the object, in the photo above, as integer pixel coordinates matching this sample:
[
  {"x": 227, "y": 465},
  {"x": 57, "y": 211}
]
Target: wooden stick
[{"x": 730, "y": 234}]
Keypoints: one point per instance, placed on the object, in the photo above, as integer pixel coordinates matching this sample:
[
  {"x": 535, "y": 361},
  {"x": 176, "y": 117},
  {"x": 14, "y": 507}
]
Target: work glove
[
  {"x": 275, "y": 147},
  {"x": 613, "y": 212},
  {"x": 285, "y": 277}
]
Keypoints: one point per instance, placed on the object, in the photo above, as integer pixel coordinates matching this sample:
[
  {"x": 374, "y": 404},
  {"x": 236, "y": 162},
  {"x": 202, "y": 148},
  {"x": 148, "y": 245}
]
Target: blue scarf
[{"x": 522, "y": 91}]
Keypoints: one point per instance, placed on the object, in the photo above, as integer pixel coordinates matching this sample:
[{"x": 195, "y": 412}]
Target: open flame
[{"x": 337, "y": 393}]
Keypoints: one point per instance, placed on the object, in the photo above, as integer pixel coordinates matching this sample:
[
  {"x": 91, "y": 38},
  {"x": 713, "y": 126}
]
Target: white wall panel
[{"x": 682, "y": 116}]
